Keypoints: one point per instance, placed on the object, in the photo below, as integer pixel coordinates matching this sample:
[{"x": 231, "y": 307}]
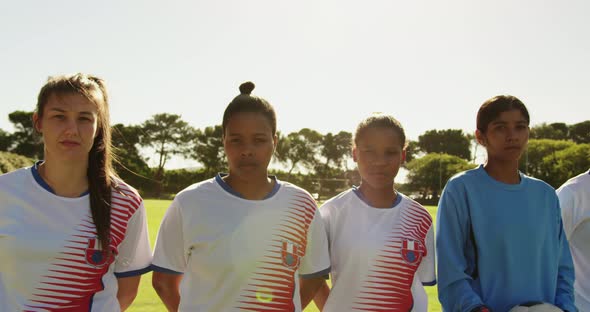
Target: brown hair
[
  {"x": 380, "y": 121},
  {"x": 100, "y": 170},
  {"x": 246, "y": 103},
  {"x": 492, "y": 108}
]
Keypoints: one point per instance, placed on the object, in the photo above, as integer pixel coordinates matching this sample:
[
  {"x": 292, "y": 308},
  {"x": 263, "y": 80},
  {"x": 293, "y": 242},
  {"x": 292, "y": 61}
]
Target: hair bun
[{"x": 247, "y": 87}]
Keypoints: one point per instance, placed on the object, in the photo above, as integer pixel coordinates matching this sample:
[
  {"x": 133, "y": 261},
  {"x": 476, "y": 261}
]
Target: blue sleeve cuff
[
  {"x": 156, "y": 268},
  {"x": 133, "y": 273},
  {"x": 432, "y": 283},
  {"x": 321, "y": 273}
]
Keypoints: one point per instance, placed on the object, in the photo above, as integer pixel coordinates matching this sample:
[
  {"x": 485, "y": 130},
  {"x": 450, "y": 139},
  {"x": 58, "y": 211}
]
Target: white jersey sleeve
[
  {"x": 169, "y": 251},
  {"x": 568, "y": 209},
  {"x": 426, "y": 271},
  {"x": 134, "y": 252},
  {"x": 316, "y": 261}
]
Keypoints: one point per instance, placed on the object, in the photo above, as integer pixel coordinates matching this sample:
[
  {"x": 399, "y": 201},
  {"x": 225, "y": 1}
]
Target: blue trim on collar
[
  {"x": 226, "y": 187},
  {"x": 39, "y": 179},
  {"x": 42, "y": 183},
  {"x": 362, "y": 197}
]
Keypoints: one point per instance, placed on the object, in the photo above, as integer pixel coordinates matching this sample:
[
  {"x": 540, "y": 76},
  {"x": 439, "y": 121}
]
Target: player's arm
[
  {"x": 316, "y": 262},
  {"x": 321, "y": 296},
  {"x": 454, "y": 260},
  {"x": 167, "y": 287},
  {"x": 170, "y": 257},
  {"x": 134, "y": 258},
  {"x": 127, "y": 290},
  {"x": 309, "y": 288}
]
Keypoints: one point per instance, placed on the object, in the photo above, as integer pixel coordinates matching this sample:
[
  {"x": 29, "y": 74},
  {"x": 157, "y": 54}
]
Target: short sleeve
[
  {"x": 426, "y": 271},
  {"x": 134, "y": 253},
  {"x": 567, "y": 206},
  {"x": 316, "y": 261},
  {"x": 325, "y": 215},
  {"x": 169, "y": 252}
]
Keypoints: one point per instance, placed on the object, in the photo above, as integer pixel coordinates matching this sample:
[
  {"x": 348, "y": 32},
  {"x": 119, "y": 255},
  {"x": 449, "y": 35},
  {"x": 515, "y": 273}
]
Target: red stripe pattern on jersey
[
  {"x": 76, "y": 275},
  {"x": 388, "y": 286},
  {"x": 272, "y": 286}
]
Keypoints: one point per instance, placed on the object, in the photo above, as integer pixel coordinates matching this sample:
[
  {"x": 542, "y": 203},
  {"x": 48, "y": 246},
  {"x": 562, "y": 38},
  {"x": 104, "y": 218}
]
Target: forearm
[
  {"x": 321, "y": 295},
  {"x": 308, "y": 289},
  {"x": 127, "y": 290},
  {"x": 167, "y": 286},
  {"x": 170, "y": 298}
]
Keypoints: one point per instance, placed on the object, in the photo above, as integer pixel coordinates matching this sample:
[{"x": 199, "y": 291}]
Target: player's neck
[
  {"x": 252, "y": 189},
  {"x": 378, "y": 197},
  {"x": 66, "y": 179},
  {"x": 503, "y": 171}
]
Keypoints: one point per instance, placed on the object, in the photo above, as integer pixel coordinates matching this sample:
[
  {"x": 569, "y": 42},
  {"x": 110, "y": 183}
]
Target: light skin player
[
  {"x": 249, "y": 140},
  {"x": 375, "y": 233},
  {"x": 75, "y": 199},
  {"x": 500, "y": 240}
]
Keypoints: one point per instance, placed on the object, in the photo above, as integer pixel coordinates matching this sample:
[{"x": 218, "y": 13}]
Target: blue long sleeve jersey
[{"x": 501, "y": 244}]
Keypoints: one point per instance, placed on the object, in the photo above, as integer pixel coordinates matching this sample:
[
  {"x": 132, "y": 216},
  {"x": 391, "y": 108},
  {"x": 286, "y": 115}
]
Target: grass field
[{"x": 148, "y": 301}]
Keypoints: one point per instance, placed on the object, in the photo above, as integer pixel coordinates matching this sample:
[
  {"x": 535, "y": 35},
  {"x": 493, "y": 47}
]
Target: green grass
[{"x": 148, "y": 301}]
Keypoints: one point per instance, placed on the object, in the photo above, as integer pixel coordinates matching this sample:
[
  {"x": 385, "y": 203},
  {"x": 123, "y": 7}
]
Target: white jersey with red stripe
[
  {"x": 50, "y": 257},
  {"x": 381, "y": 257},
  {"x": 238, "y": 254}
]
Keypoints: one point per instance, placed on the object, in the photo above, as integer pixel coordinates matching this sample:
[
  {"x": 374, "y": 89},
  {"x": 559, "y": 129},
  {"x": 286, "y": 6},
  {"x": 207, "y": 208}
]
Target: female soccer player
[
  {"x": 381, "y": 242},
  {"x": 240, "y": 241},
  {"x": 500, "y": 241},
  {"x": 73, "y": 237},
  {"x": 574, "y": 197}
]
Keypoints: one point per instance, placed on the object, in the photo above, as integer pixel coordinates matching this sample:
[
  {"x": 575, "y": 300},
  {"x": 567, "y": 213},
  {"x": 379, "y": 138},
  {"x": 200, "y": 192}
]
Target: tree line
[{"x": 318, "y": 162}]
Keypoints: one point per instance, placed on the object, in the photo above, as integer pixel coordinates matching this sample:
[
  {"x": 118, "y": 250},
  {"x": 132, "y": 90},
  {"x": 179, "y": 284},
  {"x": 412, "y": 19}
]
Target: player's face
[
  {"x": 506, "y": 137},
  {"x": 68, "y": 126},
  {"x": 378, "y": 155},
  {"x": 249, "y": 144}
]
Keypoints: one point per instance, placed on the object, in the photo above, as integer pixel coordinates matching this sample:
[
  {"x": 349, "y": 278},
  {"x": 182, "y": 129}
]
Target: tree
[
  {"x": 209, "y": 149},
  {"x": 449, "y": 141},
  {"x": 25, "y": 140},
  {"x": 428, "y": 175},
  {"x": 554, "y": 131},
  {"x": 10, "y": 162},
  {"x": 5, "y": 141},
  {"x": 336, "y": 148},
  {"x": 532, "y": 162},
  {"x": 569, "y": 162},
  {"x": 299, "y": 149},
  {"x": 473, "y": 142},
  {"x": 580, "y": 132},
  {"x": 412, "y": 151},
  {"x": 129, "y": 164},
  {"x": 167, "y": 135}
]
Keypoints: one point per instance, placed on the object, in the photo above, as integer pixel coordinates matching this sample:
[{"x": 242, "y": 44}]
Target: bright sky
[{"x": 323, "y": 64}]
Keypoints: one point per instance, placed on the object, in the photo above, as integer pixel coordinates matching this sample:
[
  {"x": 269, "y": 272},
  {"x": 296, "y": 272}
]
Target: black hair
[
  {"x": 246, "y": 103},
  {"x": 380, "y": 121},
  {"x": 492, "y": 108}
]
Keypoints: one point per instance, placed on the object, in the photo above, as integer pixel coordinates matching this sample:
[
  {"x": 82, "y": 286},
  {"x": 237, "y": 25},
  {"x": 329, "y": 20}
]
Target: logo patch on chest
[
  {"x": 290, "y": 254},
  {"x": 412, "y": 251},
  {"x": 94, "y": 254}
]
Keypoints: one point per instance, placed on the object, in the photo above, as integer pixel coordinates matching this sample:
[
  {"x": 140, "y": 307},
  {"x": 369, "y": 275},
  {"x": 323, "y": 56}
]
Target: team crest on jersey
[
  {"x": 94, "y": 254},
  {"x": 290, "y": 254},
  {"x": 412, "y": 251}
]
